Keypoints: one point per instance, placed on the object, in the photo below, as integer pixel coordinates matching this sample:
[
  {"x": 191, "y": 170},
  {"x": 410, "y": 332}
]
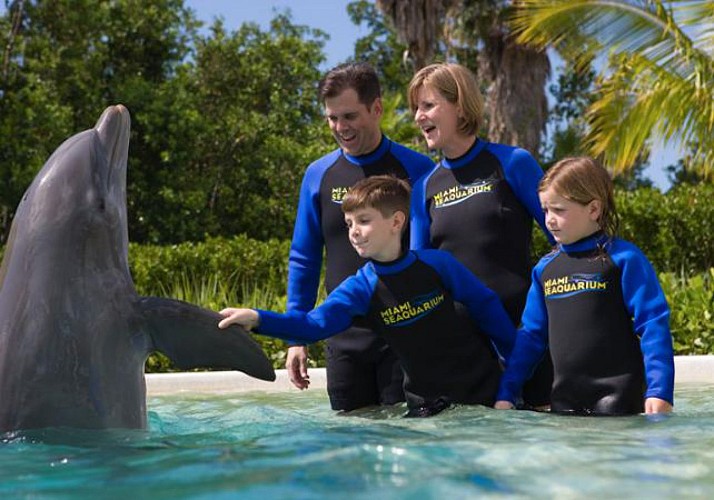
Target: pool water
[{"x": 291, "y": 445}]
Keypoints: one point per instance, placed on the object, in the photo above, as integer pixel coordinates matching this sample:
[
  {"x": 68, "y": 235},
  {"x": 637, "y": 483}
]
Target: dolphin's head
[{"x": 80, "y": 193}]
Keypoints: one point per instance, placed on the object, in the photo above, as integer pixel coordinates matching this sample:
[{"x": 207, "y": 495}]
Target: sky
[{"x": 331, "y": 16}]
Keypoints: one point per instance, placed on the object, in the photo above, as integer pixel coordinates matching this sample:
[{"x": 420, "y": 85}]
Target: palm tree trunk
[
  {"x": 418, "y": 24},
  {"x": 516, "y": 75},
  {"x": 517, "y": 105}
]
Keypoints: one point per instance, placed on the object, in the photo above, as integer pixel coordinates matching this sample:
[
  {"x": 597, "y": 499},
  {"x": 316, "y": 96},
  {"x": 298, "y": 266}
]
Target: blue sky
[
  {"x": 327, "y": 15},
  {"x": 331, "y": 17}
]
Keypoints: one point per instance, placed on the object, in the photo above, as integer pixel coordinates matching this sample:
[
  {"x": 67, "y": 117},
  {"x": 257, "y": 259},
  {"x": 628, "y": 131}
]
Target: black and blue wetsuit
[
  {"x": 598, "y": 305},
  {"x": 410, "y": 303},
  {"x": 361, "y": 370},
  {"x": 480, "y": 207}
]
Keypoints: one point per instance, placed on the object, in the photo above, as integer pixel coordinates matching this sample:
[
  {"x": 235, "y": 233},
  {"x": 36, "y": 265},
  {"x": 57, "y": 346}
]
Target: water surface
[{"x": 291, "y": 445}]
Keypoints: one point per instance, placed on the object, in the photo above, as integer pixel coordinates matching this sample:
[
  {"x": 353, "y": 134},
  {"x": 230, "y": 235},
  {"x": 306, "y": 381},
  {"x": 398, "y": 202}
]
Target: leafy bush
[
  {"x": 231, "y": 262},
  {"x": 690, "y": 301}
]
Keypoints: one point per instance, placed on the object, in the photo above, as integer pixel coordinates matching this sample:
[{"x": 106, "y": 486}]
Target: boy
[{"x": 409, "y": 298}]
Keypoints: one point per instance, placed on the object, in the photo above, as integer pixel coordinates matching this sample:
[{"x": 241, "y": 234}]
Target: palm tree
[
  {"x": 474, "y": 33},
  {"x": 659, "y": 80},
  {"x": 418, "y": 23}
]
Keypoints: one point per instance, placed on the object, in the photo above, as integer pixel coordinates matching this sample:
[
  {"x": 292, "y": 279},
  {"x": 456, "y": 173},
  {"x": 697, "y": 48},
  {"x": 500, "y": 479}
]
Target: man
[{"x": 361, "y": 369}]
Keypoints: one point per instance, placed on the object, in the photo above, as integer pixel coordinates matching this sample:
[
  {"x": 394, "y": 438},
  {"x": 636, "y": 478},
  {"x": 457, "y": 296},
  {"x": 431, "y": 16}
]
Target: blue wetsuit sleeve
[
  {"x": 350, "y": 299},
  {"x": 647, "y": 305},
  {"x": 420, "y": 222},
  {"x": 305, "y": 259},
  {"x": 484, "y": 306},
  {"x": 523, "y": 175},
  {"x": 531, "y": 341}
]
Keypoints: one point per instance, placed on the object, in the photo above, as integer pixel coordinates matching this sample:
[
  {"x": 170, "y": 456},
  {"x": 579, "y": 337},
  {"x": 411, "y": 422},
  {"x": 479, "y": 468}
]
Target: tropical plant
[
  {"x": 659, "y": 76},
  {"x": 475, "y": 34}
]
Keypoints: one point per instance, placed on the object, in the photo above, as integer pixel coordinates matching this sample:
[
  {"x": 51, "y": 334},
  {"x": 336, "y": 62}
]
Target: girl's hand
[
  {"x": 656, "y": 405},
  {"x": 247, "y": 318},
  {"x": 503, "y": 405}
]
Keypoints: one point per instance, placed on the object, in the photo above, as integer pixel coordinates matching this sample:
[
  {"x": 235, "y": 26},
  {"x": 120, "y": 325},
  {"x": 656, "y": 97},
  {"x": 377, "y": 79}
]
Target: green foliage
[
  {"x": 244, "y": 124},
  {"x": 691, "y": 301},
  {"x": 229, "y": 261},
  {"x": 675, "y": 230},
  {"x": 660, "y": 78},
  {"x": 222, "y": 125},
  {"x": 65, "y": 61}
]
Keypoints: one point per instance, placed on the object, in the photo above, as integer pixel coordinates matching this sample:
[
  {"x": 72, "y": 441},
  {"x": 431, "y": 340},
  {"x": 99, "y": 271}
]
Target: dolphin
[{"x": 74, "y": 333}]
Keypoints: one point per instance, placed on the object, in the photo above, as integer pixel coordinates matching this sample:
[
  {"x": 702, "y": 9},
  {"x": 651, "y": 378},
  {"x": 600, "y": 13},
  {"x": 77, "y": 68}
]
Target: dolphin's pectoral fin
[{"x": 190, "y": 337}]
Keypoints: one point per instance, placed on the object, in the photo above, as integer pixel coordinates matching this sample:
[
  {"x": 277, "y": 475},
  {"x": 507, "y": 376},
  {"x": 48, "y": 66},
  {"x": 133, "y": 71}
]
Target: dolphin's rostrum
[{"x": 74, "y": 334}]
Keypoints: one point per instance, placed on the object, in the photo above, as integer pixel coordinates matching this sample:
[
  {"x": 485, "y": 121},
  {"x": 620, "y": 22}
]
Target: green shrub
[
  {"x": 690, "y": 301},
  {"x": 231, "y": 262}
]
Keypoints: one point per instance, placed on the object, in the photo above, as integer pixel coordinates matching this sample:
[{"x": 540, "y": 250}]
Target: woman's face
[{"x": 438, "y": 119}]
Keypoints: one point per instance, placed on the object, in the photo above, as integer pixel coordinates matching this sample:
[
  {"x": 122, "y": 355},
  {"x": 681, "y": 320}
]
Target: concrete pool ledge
[{"x": 688, "y": 369}]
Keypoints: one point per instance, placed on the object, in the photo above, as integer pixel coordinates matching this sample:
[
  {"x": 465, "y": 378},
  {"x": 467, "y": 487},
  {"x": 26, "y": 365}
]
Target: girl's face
[
  {"x": 569, "y": 221},
  {"x": 437, "y": 118}
]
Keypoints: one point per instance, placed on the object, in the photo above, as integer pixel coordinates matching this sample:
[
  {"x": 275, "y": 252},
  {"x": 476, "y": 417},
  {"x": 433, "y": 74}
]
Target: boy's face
[
  {"x": 375, "y": 236},
  {"x": 567, "y": 220}
]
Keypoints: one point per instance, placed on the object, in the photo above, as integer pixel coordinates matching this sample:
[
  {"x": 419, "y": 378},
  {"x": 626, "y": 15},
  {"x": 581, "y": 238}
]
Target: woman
[{"x": 480, "y": 200}]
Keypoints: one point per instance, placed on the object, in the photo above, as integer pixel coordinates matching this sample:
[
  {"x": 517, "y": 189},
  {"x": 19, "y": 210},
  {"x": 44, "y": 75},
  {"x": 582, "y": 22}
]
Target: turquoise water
[{"x": 267, "y": 446}]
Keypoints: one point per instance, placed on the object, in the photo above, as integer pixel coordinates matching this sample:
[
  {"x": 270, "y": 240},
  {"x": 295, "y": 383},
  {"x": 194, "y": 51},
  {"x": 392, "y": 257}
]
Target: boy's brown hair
[{"x": 385, "y": 193}]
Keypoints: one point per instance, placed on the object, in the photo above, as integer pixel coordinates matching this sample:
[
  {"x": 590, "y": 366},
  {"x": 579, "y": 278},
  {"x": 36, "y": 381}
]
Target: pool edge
[{"x": 688, "y": 369}]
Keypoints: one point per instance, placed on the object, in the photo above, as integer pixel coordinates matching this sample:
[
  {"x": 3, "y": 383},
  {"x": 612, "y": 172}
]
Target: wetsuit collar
[
  {"x": 597, "y": 239},
  {"x": 394, "y": 266},
  {"x": 466, "y": 157},
  {"x": 372, "y": 157}
]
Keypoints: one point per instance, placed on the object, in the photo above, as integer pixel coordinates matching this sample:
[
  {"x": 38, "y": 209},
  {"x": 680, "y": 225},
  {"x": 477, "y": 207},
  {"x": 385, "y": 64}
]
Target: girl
[{"x": 596, "y": 302}]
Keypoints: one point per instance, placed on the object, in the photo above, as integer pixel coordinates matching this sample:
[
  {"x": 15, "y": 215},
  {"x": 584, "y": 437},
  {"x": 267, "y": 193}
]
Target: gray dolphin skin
[{"x": 74, "y": 334}]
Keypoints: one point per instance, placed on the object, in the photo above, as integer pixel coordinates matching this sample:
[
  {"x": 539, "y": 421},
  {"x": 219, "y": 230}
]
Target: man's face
[{"x": 354, "y": 125}]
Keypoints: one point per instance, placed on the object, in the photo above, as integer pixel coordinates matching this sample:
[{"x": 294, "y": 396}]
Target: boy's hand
[
  {"x": 503, "y": 405},
  {"x": 296, "y": 364},
  {"x": 656, "y": 405},
  {"x": 247, "y": 318}
]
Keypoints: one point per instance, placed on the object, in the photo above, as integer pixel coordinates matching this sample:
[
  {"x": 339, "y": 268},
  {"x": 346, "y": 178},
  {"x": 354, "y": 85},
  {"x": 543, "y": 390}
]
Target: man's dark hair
[{"x": 359, "y": 76}]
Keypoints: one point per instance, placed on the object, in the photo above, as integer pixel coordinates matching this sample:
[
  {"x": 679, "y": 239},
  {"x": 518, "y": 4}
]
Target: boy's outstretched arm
[
  {"x": 247, "y": 318},
  {"x": 350, "y": 299}
]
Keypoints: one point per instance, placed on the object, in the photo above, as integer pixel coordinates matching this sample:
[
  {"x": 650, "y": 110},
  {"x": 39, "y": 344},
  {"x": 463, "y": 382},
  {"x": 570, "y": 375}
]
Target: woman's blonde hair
[
  {"x": 583, "y": 179},
  {"x": 458, "y": 85}
]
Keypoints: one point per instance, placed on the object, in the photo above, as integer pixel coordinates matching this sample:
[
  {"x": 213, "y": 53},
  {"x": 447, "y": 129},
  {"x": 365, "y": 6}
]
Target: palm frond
[
  {"x": 622, "y": 26},
  {"x": 641, "y": 100},
  {"x": 661, "y": 78}
]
